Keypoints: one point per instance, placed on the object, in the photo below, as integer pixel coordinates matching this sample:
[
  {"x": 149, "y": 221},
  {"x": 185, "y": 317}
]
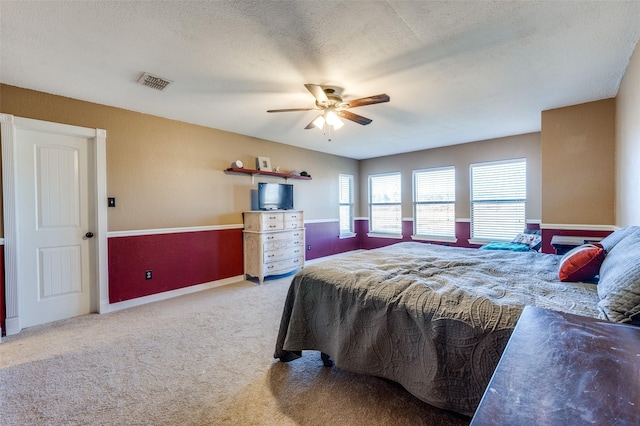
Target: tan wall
[
  {"x": 166, "y": 173},
  {"x": 628, "y": 145},
  {"x": 461, "y": 156},
  {"x": 578, "y": 152}
]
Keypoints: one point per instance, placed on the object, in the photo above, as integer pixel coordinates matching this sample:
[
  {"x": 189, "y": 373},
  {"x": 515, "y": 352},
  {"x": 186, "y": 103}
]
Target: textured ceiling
[{"x": 455, "y": 71}]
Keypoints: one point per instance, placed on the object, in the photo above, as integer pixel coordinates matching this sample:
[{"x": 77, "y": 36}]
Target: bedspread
[{"x": 434, "y": 319}]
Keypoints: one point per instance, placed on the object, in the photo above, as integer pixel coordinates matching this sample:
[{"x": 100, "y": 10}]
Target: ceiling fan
[{"x": 330, "y": 102}]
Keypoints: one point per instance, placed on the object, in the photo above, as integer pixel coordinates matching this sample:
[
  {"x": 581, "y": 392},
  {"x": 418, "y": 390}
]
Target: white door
[
  {"x": 54, "y": 189},
  {"x": 53, "y": 192}
]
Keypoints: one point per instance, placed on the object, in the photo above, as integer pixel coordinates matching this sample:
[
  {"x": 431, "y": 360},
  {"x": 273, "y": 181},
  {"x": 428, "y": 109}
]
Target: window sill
[
  {"x": 347, "y": 235},
  {"x": 380, "y": 235},
  {"x": 434, "y": 238}
]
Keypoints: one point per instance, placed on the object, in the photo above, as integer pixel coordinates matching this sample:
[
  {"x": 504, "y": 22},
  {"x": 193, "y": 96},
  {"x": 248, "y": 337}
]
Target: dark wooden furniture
[{"x": 563, "y": 369}]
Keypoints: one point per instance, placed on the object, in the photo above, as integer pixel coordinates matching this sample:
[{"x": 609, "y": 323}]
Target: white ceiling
[{"x": 456, "y": 71}]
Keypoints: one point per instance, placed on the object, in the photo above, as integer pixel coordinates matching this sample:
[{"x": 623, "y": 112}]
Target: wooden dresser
[
  {"x": 273, "y": 242},
  {"x": 564, "y": 369}
]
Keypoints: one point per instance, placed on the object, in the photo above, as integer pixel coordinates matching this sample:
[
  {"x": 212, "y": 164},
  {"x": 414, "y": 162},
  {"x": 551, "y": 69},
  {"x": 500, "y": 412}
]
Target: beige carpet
[{"x": 200, "y": 359}]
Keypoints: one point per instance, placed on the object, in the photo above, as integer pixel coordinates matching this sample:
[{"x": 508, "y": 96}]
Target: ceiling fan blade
[
  {"x": 377, "y": 99},
  {"x": 354, "y": 117},
  {"x": 291, "y": 109},
  {"x": 311, "y": 125},
  {"x": 317, "y": 93}
]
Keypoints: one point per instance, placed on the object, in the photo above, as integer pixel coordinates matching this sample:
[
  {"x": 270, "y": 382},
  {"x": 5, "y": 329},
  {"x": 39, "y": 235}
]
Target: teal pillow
[{"x": 497, "y": 245}]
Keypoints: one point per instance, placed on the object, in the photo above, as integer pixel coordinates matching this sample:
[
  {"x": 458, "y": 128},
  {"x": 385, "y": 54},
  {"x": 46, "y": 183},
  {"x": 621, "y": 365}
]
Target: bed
[{"x": 436, "y": 319}]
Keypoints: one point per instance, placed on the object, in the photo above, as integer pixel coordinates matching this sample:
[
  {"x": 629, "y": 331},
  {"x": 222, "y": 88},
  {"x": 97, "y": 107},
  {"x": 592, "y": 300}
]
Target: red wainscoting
[
  {"x": 463, "y": 234},
  {"x": 2, "y": 306},
  {"x": 177, "y": 260},
  {"x": 368, "y": 243},
  {"x": 362, "y": 227},
  {"x": 323, "y": 237}
]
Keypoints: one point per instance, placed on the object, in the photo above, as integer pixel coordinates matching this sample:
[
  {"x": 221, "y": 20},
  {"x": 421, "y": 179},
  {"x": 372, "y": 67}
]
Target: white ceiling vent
[{"x": 154, "y": 81}]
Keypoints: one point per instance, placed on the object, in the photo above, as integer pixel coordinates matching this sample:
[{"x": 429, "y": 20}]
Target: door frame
[{"x": 97, "y": 208}]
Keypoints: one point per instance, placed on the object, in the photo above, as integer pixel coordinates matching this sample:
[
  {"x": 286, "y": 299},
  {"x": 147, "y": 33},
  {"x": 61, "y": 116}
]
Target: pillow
[
  {"x": 533, "y": 241},
  {"x": 619, "y": 285},
  {"x": 611, "y": 240},
  {"x": 581, "y": 263},
  {"x": 498, "y": 245}
]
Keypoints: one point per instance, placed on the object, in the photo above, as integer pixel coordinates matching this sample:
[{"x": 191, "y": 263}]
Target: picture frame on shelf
[{"x": 263, "y": 163}]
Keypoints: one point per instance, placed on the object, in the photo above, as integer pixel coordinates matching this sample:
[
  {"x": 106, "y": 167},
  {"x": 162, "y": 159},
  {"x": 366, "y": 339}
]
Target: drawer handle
[
  {"x": 296, "y": 261},
  {"x": 296, "y": 251},
  {"x": 270, "y": 267},
  {"x": 270, "y": 238},
  {"x": 271, "y": 255}
]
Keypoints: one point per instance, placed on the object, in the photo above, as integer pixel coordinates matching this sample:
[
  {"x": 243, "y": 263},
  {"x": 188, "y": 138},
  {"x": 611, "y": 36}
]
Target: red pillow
[{"x": 581, "y": 263}]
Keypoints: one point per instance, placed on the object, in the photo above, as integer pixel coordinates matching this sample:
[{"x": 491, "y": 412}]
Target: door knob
[{"x": 89, "y": 235}]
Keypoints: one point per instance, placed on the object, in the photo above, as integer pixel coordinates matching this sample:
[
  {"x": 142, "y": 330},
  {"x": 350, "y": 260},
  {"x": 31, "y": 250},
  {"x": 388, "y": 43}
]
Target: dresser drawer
[
  {"x": 283, "y": 265},
  {"x": 283, "y": 253},
  {"x": 263, "y": 221},
  {"x": 282, "y": 244},
  {"x": 278, "y": 236},
  {"x": 292, "y": 216},
  {"x": 297, "y": 235},
  {"x": 293, "y": 224},
  {"x": 272, "y": 222}
]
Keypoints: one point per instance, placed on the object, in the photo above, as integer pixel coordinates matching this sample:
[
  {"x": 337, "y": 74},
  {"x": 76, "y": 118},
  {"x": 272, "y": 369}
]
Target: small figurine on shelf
[
  {"x": 277, "y": 169},
  {"x": 303, "y": 173}
]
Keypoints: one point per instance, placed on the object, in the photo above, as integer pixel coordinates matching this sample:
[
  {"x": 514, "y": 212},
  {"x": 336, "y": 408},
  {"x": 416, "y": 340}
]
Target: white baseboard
[
  {"x": 172, "y": 293},
  {"x": 104, "y": 307},
  {"x": 12, "y": 326}
]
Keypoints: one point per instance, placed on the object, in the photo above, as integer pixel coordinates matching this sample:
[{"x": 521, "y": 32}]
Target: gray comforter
[{"x": 434, "y": 319}]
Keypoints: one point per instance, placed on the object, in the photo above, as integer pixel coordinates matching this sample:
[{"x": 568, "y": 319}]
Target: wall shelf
[{"x": 253, "y": 173}]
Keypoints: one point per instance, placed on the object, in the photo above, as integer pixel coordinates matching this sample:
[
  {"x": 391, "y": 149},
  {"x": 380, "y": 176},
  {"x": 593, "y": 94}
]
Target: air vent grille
[{"x": 154, "y": 81}]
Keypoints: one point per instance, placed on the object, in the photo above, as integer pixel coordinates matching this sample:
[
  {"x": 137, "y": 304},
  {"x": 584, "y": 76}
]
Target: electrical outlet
[
  {"x": 148, "y": 275},
  {"x": 309, "y": 247}
]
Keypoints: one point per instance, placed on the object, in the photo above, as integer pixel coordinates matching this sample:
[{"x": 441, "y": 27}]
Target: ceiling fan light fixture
[
  {"x": 333, "y": 120},
  {"x": 319, "y": 122},
  {"x": 329, "y": 101}
]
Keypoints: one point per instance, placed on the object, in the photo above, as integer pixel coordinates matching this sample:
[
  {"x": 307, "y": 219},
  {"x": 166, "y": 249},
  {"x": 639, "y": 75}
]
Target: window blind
[
  {"x": 434, "y": 196},
  {"x": 498, "y": 199},
  {"x": 346, "y": 203},
  {"x": 385, "y": 210}
]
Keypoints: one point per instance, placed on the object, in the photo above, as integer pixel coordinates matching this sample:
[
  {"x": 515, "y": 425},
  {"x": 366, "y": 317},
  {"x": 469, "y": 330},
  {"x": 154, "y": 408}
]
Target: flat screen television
[{"x": 275, "y": 196}]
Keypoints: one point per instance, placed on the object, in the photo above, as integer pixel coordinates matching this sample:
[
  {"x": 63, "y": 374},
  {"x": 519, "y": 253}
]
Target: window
[
  {"x": 434, "y": 202},
  {"x": 498, "y": 198},
  {"x": 346, "y": 204},
  {"x": 385, "y": 209}
]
